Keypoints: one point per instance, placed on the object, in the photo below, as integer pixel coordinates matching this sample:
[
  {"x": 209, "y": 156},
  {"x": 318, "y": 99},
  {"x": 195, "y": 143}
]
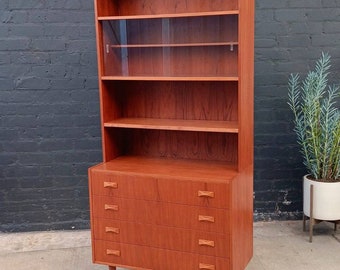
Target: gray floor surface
[{"x": 277, "y": 246}]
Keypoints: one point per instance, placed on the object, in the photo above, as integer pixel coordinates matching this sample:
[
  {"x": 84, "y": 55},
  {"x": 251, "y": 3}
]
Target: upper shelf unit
[{"x": 164, "y": 8}]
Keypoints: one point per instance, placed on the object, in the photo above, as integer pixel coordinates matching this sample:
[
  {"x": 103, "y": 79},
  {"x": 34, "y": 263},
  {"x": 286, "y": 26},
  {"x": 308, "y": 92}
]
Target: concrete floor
[{"x": 277, "y": 246}]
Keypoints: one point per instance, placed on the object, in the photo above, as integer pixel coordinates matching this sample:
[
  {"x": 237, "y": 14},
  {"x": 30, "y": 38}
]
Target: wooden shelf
[
  {"x": 191, "y": 169},
  {"x": 169, "y": 78},
  {"x": 175, "y": 124},
  {"x": 164, "y": 45},
  {"x": 162, "y": 16}
]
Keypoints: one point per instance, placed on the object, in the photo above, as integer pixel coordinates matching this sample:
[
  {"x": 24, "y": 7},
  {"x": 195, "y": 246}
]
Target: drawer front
[
  {"x": 171, "y": 238},
  {"x": 201, "y": 193},
  {"x": 122, "y": 185},
  {"x": 143, "y": 257},
  {"x": 166, "y": 189},
  {"x": 160, "y": 213}
]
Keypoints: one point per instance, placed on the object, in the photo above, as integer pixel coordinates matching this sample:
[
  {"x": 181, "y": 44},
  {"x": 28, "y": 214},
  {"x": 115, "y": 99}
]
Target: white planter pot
[{"x": 326, "y": 199}]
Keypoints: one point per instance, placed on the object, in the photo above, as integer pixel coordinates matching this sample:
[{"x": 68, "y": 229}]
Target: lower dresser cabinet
[{"x": 159, "y": 223}]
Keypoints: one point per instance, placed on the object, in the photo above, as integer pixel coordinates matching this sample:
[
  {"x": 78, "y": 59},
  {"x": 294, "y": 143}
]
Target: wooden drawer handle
[
  {"x": 111, "y": 207},
  {"x": 113, "y": 252},
  {"x": 203, "y": 242},
  {"x": 112, "y": 230},
  {"x": 208, "y": 194},
  {"x": 206, "y": 218},
  {"x": 207, "y": 266},
  {"x": 110, "y": 185}
]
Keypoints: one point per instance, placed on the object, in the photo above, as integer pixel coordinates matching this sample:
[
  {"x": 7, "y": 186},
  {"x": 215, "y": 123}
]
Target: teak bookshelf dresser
[{"x": 175, "y": 190}]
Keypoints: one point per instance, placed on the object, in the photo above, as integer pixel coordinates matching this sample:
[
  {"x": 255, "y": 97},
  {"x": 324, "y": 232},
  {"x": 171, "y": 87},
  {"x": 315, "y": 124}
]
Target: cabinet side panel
[
  {"x": 90, "y": 184},
  {"x": 242, "y": 227},
  {"x": 246, "y": 84},
  {"x": 242, "y": 220}
]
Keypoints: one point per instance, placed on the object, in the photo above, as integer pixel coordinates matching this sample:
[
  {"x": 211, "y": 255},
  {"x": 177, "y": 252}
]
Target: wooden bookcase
[{"x": 175, "y": 189}]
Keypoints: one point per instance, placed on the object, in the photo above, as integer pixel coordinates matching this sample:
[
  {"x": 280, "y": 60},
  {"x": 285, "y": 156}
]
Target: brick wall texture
[
  {"x": 289, "y": 36},
  {"x": 49, "y": 125},
  {"x": 49, "y": 108}
]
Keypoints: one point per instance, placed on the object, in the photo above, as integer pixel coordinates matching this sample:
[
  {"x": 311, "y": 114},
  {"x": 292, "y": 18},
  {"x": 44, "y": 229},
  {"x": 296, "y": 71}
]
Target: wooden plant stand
[{"x": 312, "y": 220}]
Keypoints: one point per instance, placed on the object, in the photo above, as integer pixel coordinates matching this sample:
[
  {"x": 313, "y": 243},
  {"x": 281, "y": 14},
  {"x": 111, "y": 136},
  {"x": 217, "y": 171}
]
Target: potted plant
[{"x": 317, "y": 126}]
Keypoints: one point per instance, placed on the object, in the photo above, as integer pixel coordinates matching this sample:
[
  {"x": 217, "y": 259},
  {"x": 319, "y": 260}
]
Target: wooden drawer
[
  {"x": 193, "y": 192},
  {"x": 160, "y": 213},
  {"x": 166, "y": 189},
  {"x": 116, "y": 184},
  {"x": 200, "y": 242},
  {"x": 142, "y": 257}
]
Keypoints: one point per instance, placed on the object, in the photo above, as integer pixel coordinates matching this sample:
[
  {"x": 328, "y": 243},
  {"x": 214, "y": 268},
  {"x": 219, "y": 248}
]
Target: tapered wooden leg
[
  {"x": 311, "y": 219},
  {"x": 112, "y": 268}
]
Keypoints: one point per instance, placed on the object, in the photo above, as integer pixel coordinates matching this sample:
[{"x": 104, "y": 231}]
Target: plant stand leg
[{"x": 311, "y": 218}]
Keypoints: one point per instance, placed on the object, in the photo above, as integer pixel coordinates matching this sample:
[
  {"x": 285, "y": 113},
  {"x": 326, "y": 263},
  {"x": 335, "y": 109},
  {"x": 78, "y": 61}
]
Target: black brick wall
[
  {"x": 49, "y": 114},
  {"x": 289, "y": 36},
  {"x": 49, "y": 111}
]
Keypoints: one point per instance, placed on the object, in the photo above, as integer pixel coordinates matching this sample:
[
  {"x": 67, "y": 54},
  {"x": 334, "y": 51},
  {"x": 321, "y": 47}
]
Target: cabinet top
[{"x": 215, "y": 171}]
